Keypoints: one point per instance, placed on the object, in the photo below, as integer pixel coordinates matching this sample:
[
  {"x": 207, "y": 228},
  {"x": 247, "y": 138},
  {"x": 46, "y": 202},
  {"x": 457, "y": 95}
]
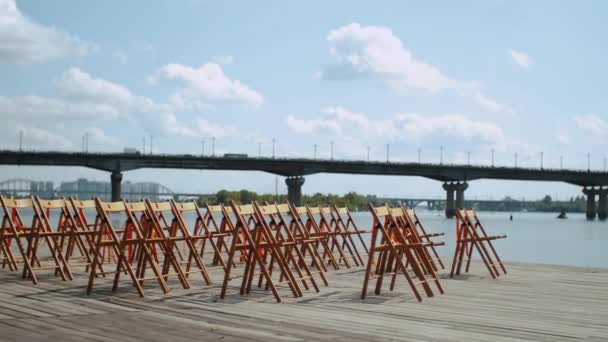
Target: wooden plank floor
[{"x": 532, "y": 302}]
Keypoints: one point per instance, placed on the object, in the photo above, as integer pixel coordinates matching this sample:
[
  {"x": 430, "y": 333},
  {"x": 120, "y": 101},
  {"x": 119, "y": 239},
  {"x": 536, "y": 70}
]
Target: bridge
[{"x": 455, "y": 178}]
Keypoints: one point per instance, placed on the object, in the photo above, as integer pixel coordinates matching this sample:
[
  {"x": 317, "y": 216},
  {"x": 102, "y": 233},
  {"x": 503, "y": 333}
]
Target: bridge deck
[{"x": 533, "y": 302}]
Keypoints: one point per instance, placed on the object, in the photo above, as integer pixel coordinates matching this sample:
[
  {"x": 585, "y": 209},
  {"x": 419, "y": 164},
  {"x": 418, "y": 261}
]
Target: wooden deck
[{"x": 533, "y": 302}]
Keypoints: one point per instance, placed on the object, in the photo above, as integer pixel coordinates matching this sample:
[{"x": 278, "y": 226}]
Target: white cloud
[
  {"x": 344, "y": 115},
  {"x": 47, "y": 109},
  {"x": 120, "y": 56},
  {"x": 593, "y": 124},
  {"x": 400, "y": 127},
  {"x": 38, "y": 137},
  {"x": 81, "y": 86},
  {"x": 455, "y": 125},
  {"x": 208, "y": 129},
  {"x": 374, "y": 51},
  {"x": 224, "y": 60},
  {"x": 520, "y": 58},
  {"x": 99, "y": 139},
  {"x": 562, "y": 137},
  {"x": 312, "y": 126},
  {"x": 207, "y": 84},
  {"x": 488, "y": 104},
  {"x": 23, "y": 41},
  {"x": 85, "y": 98}
]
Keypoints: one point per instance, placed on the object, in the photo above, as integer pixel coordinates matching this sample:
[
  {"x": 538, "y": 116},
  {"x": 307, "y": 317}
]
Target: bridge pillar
[
  {"x": 460, "y": 188},
  {"x": 590, "y": 193},
  {"x": 602, "y": 205},
  {"x": 116, "y": 178},
  {"x": 294, "y": 189},
  {"x": 450, "y": 210}
]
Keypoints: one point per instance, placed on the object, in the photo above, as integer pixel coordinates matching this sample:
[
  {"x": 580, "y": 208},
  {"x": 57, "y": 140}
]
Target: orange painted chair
[
  {"x": 417, "y": 229},
  {"x": 131, "y": 245},
  {"x": 306, "y": 215},
  {"x": 252, "y": 237},
  {"x": 272, "y": 216},
  {"x": 389, "y": 247},
  {"x": 345, "y": 229},
  {"x": 28, "y": 239},
  {"x": 471, "y": 235}
]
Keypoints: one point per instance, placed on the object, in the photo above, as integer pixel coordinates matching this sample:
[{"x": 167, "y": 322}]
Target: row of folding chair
[
  {"x": 273, "y": 245},
  {"x": 289, "y": 246},
  {"x": 147, "y": 241}
]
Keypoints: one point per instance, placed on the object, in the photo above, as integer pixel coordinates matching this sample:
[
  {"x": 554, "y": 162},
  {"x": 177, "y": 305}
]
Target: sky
[{"x": 518, "y": 78}]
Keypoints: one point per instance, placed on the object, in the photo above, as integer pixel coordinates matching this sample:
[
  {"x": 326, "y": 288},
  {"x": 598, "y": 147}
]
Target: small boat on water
[{"x": 562, "y": 214}]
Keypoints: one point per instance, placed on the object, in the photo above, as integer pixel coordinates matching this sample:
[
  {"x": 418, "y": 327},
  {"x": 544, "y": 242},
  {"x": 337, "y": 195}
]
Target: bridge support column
[
  {"x": 449, "y": 188},
  {"x": 602, "y": 205},
  {"x": 460, "y": 188},
  {"x": 590, "y": 193},
  {"x": 116, "y": 178},
  {"x": 294, "y": 189}
]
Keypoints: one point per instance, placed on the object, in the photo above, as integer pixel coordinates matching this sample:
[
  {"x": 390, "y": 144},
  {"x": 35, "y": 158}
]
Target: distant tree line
[
  {"x": 352, "y": 200},
  {"x": 355, "y": 201},
  {"x": 547, "y": 204}
]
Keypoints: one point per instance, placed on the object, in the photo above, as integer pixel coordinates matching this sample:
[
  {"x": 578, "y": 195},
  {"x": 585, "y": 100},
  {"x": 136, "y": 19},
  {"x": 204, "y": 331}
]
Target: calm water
[{"x": 532, "y": 237}]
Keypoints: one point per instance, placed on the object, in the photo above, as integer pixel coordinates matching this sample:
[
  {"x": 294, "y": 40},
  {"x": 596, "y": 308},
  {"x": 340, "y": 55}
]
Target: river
[{"x": 531, "y": 237}]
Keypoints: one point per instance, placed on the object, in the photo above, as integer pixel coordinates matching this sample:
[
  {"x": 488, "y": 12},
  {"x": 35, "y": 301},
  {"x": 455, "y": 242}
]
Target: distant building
[{"x": 86, "y": 189}]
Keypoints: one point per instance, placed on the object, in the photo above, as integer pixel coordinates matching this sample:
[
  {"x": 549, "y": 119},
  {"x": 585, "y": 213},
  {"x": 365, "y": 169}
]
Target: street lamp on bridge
[
  {"x": 273, "y": 143},
  {"x": 331, "y": 143},
  {"x": 259, "y": 149},
  {"x": 441, "y": 155},
  {"x": 213, "y": 146}
]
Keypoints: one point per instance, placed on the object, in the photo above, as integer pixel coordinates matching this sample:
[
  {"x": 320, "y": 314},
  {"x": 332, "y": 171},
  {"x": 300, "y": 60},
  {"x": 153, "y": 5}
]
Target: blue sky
[{"x": 519, "y": 77}]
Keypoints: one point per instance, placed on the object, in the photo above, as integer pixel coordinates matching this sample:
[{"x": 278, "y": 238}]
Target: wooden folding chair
[
  {"x": 470, "y": 234},
  {"x": 327, "y": 227},
  {"x": 129, "y": 243},
  {"x": 163, "y": 238},
  {"x": 340, "y": 239},
  {"x": 85, "y": 234},
  {"x": 207, "y": 228},
  {"x": 390, "y": 244},
  {"x": 63, "y": 235},
  {"x": 307, "y": 237},
  {"x": 306, "y": 217},
  {"x": 169, "y": 218},
  {"x": 252, "y": 237},
  {"x": 28, "y": 239},
  {"x": 284, "y": 234},
  {"x": 345, "y": 229},
  {"x": 422, "y": 236}
]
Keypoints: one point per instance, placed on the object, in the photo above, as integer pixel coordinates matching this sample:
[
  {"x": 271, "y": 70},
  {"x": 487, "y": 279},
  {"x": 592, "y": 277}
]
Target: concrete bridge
[{"x": 454, "y": 177}]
